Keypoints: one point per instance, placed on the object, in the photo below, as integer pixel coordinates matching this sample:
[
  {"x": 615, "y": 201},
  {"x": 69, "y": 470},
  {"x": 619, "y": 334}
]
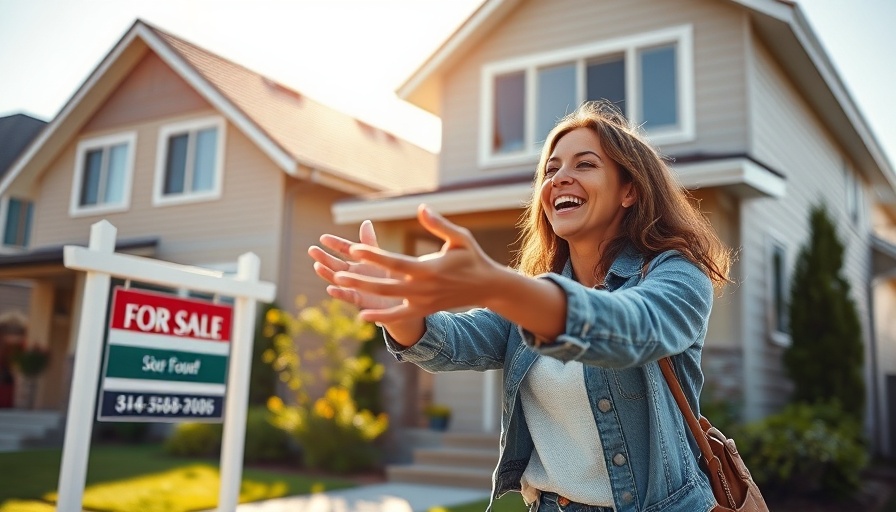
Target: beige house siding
[
  {"x": 788, "y": 136},
  {"x": 151, "y": 91},
  {"x": 537, "y": 27},
  {"x": 245, "y": 218},
  {"x": 885, "y": 320}
]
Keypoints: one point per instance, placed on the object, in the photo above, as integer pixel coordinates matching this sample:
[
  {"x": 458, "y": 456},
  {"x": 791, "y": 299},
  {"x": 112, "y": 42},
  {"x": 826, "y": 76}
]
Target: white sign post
[{"x": 101, "y": 263}]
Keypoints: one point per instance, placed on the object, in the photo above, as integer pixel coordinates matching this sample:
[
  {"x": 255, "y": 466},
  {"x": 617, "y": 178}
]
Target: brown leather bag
[{"x": 732, "y": 485}]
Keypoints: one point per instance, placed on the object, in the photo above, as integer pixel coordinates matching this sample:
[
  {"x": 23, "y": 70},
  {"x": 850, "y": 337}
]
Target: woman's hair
[{"x": 664, "y": 216}]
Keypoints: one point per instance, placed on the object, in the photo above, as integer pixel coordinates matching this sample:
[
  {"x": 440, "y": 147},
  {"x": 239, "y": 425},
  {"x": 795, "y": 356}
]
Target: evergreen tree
[{"x": 825, "y": 358}]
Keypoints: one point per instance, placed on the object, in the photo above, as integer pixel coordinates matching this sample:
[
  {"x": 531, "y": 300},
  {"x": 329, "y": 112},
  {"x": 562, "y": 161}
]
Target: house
[
  {"x": 195, "y": 160},
  {"x": 743, "y": 99}
]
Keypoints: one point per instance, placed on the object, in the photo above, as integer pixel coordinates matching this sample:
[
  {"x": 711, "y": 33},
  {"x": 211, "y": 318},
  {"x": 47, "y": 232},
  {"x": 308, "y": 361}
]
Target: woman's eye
[
  {"x": 550, "y": 171},
  {"x": 585, "y": 164}
]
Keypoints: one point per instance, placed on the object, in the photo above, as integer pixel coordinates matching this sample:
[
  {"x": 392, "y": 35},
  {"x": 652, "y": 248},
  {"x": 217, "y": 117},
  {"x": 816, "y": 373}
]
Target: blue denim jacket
[{"x": 619, "y": 333}]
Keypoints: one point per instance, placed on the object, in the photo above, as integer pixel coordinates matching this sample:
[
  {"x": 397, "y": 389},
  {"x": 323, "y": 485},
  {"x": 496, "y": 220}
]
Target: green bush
[
  {"x": 193, "y": 439},
  {"x": 336, "y": 432},
  {"x": 805, "y": 449},
  {"x": 264, "y": 441}
]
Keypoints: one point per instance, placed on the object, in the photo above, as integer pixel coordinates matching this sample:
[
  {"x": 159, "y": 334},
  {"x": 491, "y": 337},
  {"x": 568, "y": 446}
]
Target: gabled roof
[
  {"x": 16, "y": 132},
  {"x": 305, "y": 138},
  {"x": 780, "y": 22}
]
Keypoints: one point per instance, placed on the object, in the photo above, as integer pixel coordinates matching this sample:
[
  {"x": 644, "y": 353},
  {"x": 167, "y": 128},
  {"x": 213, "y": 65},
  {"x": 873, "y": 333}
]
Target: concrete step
[
  {"x": 480, "y": 440},
  {"x": 23, "y": 417},
  {"x": 440, "y": 475},
  {"x": 457, "y": 457},
  {"x": 13, "y": 445}
]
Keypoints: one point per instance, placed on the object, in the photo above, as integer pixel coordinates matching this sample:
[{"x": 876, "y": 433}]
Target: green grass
[
  {"x": 119, "y": 471},
  {"x": 512, "y": 502}
]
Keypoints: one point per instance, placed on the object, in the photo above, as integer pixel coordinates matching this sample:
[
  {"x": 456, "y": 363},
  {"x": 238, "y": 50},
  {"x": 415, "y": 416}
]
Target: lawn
[{"x": 128, "y": 478}]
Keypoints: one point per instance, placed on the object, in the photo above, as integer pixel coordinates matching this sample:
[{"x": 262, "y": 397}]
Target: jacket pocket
[{"x": 631, "y": 383}]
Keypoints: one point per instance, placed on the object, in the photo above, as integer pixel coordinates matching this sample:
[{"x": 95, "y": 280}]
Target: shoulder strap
[{"x": 689, "y": 417}]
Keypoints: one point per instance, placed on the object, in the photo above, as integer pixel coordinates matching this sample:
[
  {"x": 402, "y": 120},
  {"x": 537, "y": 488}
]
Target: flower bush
[{"x": 334, "y": 432}]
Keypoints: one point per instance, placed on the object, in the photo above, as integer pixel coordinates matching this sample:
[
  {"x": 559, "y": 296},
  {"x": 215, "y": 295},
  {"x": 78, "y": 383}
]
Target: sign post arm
[
  {"x": 82, "y": 398},
  {"x": 238, "y": 388}
]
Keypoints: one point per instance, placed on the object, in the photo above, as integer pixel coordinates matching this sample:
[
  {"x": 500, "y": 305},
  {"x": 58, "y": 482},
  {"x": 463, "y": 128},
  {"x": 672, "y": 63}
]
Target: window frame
[
  {"x": 628, "y": 46},
  {"x": 777, "y": 336},
  {"x": 854, "y": 197},
  {"x": 190, "y": 126},
  {"x": 4, "y": 214},
  {"x": 104, "y": 141}
]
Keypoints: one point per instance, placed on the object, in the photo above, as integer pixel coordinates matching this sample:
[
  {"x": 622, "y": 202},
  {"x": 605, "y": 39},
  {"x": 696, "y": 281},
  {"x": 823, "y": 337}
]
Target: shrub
[
  {"x": 336, "y": 432},
  {"x": 264, "y": 441},
  {"x": 826, "y": 355},
  {"x": 805, "y": 449},
  {"x": 193, "y": 439}
]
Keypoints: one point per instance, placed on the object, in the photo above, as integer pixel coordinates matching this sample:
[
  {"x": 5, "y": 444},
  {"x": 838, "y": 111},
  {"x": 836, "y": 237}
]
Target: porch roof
[
  {"x": 39, "y": 260},
  {"x": 740, "y": 174}
]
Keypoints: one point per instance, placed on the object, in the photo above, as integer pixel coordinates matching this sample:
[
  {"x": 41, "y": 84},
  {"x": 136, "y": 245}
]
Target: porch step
[
  {"x": 440, "y": 475},
  {"x": 20, "y": 429},
  {"x": 457, "y": 457},
  {"x": 460, "y": 459}
]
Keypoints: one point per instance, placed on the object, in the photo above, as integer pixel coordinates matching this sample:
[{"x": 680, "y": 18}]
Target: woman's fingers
[
  {"x": 337, "y": 244},
  {"x": 367, "y": 235},
  {"x": 392, "y": 261},
  {"x": 442, "y": 227}
]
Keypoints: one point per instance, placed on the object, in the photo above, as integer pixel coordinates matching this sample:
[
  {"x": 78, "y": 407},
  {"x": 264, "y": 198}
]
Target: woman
[{"x": 616, "y": 271}]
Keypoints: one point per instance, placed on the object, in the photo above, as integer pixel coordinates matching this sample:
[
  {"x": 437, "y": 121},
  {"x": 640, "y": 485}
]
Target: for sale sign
[{"x": 166, "y": 359}]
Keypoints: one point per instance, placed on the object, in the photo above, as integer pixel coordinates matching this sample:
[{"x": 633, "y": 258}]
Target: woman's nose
[{"x": 561, "y": 177}]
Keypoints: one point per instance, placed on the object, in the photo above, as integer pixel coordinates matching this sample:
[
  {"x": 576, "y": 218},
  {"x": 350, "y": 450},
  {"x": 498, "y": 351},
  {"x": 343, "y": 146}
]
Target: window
[
  {"x": 779, "y": 289},
  {"x": 853, "y": 197},
  {"x": 17, "y": 222},
  {"x": 103, "y": 169},
  {"x": 648, "y": 76},
  {"x": 190, "y": 161}
]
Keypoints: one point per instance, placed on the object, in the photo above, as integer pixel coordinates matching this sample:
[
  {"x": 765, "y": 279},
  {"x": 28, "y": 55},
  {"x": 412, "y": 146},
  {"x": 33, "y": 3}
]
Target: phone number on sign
[{"x": 186, "y": 406}]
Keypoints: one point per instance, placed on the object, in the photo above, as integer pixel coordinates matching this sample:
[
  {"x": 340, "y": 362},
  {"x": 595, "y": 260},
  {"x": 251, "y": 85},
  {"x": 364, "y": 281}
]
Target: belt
[{"x": 551, "y": 498}]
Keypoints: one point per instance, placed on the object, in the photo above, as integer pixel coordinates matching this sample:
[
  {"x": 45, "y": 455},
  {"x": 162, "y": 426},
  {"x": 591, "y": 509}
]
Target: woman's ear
[{"x": 630, "y": 197}]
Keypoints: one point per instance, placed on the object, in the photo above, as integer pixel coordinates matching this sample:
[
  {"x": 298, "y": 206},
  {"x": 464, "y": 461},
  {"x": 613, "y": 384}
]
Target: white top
[{"x": 568, "y": 456}]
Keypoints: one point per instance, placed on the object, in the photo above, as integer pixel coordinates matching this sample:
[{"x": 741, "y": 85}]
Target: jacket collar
[{"x": 628, "y": 263}]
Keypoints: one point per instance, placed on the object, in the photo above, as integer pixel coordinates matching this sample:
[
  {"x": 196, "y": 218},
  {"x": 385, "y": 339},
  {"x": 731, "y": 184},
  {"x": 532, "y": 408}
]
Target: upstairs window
[
  {"x": 17, "y": 222},
  {"x": 103, "y": 170},
  {"x": 649, "y": 77},
  {"x": 190, "y": 161}
]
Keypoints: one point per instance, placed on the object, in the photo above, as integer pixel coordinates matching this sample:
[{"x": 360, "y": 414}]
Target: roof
[
  {"x": 16, "y": 132},
  {"x": 305, "y": 138},
  {"x": 779, "y": 22}
]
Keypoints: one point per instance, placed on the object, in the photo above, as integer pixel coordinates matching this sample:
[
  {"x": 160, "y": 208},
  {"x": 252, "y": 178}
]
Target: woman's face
[{"x": 583, "y": 194}]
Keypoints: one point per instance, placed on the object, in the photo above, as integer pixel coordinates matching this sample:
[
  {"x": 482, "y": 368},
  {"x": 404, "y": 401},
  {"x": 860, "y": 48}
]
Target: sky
[{"x": 353, "y": 54}]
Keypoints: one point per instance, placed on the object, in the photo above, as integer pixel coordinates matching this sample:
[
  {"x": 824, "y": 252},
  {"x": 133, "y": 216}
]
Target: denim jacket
[{"x": 619, "y": 333}]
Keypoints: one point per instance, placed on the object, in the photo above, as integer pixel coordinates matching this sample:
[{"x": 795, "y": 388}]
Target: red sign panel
[{"x": 156, "y": 313}]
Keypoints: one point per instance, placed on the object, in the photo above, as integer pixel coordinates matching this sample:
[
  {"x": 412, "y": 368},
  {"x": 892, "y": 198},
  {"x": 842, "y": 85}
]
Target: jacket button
[
  {"x": 604, "y": 405},
  {"x": 627, "y": 497},
  {"x": 619, "y": 459}
]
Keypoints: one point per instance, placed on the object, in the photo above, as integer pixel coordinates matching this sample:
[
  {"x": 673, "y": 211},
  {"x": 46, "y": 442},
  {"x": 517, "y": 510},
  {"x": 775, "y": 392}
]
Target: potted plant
[
  {"x": 439, "y": 416},
  {"x": 32, "y": 360}
]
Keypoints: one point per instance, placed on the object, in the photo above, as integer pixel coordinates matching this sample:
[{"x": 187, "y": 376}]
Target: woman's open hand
[
  {"x": 326, "y": 265},
  {"x": 458, "y": 275}
]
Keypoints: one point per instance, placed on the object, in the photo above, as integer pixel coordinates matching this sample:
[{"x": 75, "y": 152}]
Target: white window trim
[
  {"x": 193, "y": 125},
  {"x": 75, "y": 209},
  {"x": 683, "y": 38},
  {"x": 775, "y": 336}
]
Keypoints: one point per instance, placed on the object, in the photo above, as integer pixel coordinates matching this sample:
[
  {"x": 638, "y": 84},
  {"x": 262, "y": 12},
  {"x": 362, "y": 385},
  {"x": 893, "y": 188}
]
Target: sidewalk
[{"x": 385, "y": 497}]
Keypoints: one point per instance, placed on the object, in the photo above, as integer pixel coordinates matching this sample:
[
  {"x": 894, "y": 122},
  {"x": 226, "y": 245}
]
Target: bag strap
[{"x": 686, "y": 411}]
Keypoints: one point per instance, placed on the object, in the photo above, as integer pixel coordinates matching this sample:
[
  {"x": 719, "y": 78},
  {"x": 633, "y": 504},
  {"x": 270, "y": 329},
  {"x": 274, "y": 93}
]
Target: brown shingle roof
[{"x": 314, "y": 134}]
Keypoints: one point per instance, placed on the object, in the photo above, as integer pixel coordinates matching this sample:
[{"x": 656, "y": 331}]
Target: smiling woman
[{"x": 580, "y": 361}]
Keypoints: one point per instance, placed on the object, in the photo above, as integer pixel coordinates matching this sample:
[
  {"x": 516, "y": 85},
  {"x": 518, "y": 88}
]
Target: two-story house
[
  {"x": 742, "y": 98},
  {"x": 195, "y": 160}
]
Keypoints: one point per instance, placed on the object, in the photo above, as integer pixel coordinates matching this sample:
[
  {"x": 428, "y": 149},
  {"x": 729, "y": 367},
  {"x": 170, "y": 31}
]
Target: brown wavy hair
[{"x": 664, "y": 217}]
